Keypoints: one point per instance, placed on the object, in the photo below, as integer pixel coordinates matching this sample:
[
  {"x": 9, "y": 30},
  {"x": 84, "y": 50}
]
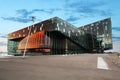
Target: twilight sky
[{"x": 16, "y": 14}]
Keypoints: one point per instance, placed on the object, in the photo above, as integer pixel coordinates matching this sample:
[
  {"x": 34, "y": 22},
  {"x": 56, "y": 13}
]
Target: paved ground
[{"x": 77, "y": 67}]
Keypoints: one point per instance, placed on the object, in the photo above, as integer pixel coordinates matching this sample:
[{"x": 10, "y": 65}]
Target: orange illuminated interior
[{"x": 34, "y": 41}]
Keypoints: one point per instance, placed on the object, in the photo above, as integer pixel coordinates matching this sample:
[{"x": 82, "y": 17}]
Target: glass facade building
[{"x": 56, "y": 36}]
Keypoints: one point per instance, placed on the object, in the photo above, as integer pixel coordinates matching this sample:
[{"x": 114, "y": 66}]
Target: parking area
[{"x": 58, "y": 67}]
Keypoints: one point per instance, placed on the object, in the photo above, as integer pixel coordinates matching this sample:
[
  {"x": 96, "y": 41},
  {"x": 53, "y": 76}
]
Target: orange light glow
[{"x": 35, "y": 41}]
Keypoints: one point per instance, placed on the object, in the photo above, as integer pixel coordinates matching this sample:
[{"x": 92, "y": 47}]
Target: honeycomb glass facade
[
  {"x": 102, "y": 31},
  {"x": 56, "y": 36}
]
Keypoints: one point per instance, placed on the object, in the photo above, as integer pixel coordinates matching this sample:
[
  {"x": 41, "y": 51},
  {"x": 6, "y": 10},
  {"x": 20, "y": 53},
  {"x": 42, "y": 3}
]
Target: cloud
[
  {"x": 3, "y": 39},
  {"x": 25, "y": 13},
  {"x": 79, "y": 9},
  {"x": 17, "y": 19},
  {"x": 3, "y": 44},
  {"x": 3, "y": 36},
  {"x": 116, "y": 38},
  {"x": 87, "y": 8},
  {"x": 76, "y": 10},
  {"x": 24, "y": 16},
  {"x": 116, "y": 28},
  {"x": 72, "y": 19}
]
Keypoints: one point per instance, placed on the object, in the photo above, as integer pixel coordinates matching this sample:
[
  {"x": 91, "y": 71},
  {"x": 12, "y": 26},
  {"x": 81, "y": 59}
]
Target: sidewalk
[{"x": 4, "y": 55}]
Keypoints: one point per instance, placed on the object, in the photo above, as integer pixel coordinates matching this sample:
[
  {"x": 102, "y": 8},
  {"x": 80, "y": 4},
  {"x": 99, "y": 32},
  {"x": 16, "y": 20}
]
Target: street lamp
[{"x": 28, "y": 36}]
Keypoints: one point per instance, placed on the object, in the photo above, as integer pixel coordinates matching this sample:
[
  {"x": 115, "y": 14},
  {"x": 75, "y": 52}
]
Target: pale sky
[{"x": 16, "y": 14}]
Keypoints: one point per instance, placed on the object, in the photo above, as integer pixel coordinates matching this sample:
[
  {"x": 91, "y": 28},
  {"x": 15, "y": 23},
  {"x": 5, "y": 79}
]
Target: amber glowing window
[
  {"x": 19, "y": 35},
  {"x": 13, "y": 34},
  {"x": 23, "y": 30}
]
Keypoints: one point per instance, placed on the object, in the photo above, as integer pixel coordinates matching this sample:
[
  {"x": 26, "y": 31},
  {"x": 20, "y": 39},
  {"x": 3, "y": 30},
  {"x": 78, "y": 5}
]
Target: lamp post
[{"x": 28, "y": 36}]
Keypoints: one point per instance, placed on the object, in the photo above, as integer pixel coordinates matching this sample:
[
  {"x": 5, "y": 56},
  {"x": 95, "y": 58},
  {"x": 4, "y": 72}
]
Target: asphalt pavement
[{"x": 59, "y": 67}]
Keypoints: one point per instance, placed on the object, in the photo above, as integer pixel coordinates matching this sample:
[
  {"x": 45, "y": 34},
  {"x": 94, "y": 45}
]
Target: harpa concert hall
[{"x": 56, "y": 36}]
